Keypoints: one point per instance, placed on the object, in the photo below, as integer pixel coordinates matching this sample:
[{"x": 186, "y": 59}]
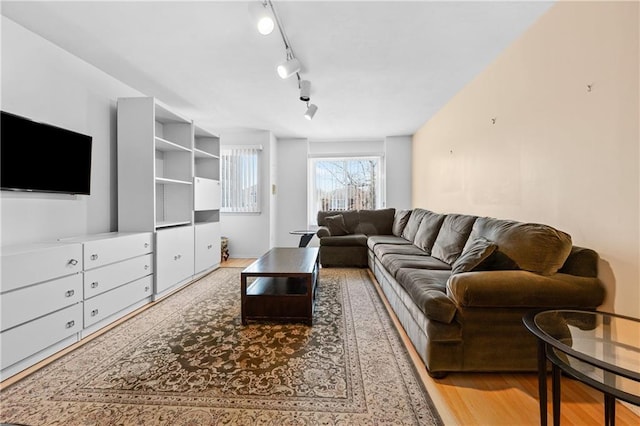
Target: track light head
[
  {"x": 288, "y": 68},
  {"x": 311, "y": 111},
  {"x": 263, "y": 17},
  {"x": 305, "y": 90}
]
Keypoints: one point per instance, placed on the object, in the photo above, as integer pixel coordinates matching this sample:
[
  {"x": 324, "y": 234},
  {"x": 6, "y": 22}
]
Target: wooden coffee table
[{"x": 281, "y": 286}]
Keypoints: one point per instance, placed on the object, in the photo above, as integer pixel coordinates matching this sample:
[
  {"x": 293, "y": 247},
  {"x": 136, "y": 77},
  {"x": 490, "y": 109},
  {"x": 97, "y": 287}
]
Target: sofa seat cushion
[
  {"x": 428, "y": 230},
  {"x": 427, "y": 289},
  {"x": 452, "y": 237},
  {"x": 345, "y": 240},
  {"x": 533, "y": 247},
  {"x": 385, "y": 239},
  {"x": 383, "y": 249},
  {"x": 394, "y": 262}
]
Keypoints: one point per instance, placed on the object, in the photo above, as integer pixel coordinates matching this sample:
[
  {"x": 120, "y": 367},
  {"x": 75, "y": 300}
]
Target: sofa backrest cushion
[
  {"x": 473, "y": 255},
  {"x": 413, "y": 223},
  {"x": 400, "y": 221},
  {"x": 336, "y": 225},
  {"x": 428, "y": 231},
  {"x": 375, "y": 222},
  {"x": 452, "y": 237},
  {"x": 533, "y": 247}
]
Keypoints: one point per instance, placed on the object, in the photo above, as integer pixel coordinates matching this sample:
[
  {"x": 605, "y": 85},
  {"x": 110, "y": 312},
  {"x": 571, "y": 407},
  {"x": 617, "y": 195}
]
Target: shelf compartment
[{"x": 168, "y": 146}]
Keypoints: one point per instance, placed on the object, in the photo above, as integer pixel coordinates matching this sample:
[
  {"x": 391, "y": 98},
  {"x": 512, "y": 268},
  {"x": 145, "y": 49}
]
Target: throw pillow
[
  {"x": 473, "y": 255},
  {"x": 336, "y": 225},
  {"x": 400, "y": 221}
]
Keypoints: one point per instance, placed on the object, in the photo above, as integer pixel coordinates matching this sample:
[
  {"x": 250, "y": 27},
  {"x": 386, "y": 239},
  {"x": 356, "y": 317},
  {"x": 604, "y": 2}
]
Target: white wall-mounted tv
[{"x": 39, "y": 157}]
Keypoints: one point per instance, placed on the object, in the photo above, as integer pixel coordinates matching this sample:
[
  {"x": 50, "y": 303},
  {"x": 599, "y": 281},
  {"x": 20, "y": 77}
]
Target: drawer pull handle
[
  {"x": 94, "y": 257},
  {"x": 69, "y": 293},
  {"x": 94, "y": 312},
  {"x": 146, "y": 289},
  {"x": 176, "y": 257},
  {"x": 94, "y": 284},
  {"x": 73, "y": 262},
  {"x": 209, "y": 246},
  {"x": 70, "y": 324},
  {"x": 146, "y": 267},
  {"x": 146, "y": 245}
]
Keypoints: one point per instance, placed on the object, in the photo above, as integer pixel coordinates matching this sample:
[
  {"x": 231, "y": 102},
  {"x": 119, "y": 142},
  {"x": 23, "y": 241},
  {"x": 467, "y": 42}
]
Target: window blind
[{"x": 240, "y": 179}]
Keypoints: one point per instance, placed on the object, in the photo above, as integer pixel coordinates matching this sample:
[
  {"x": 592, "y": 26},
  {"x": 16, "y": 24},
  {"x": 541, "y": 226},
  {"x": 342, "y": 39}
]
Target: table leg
[
  {"x": 555, "y": 389},
  {"x": 304, "y": 240},
  {"x": 542, "y": 381},
  {"x": 243, "y": 296},
  {"x": 609, "y": 410}
]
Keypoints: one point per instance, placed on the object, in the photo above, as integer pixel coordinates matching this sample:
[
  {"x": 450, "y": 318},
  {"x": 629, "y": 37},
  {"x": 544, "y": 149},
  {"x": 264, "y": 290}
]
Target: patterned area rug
[{"x": 189, "y": 361}]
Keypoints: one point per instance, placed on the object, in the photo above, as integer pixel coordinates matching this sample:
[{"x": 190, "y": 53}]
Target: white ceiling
[{"x": 377, "y": 68}]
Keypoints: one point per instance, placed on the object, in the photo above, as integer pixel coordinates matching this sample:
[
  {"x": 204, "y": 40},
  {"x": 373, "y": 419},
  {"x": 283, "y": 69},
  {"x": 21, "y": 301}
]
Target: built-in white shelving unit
[{"x": 169, "y": 184}]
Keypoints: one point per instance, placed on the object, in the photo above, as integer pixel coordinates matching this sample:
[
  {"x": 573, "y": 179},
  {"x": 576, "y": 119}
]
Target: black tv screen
[{"x": 40, "y": 157}]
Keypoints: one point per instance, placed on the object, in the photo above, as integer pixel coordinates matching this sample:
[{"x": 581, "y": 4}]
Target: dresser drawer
[
  {"x": 31, "y": 302},
  {"x": 25, "y": 340},
  {"x": 207, "y": 245},
  {"x": 116, "y": 247},
  {"x": 42, "y": 262},
  {"x": 102, "y": 279},
  {"x": 107, "y": 304}
]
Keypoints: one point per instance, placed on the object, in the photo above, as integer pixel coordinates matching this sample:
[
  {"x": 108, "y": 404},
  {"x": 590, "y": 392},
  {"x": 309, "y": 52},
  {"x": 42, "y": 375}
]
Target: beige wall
[{"x": 559, "y": 152}]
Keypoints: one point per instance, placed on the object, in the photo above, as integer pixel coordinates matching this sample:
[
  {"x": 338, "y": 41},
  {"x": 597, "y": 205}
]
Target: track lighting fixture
[
  {"x": 288, "y": 68},
  {"x": 305, "y": 90},
  {"x": 263, "y": 17},
  {"x": 311, "y": 111}
]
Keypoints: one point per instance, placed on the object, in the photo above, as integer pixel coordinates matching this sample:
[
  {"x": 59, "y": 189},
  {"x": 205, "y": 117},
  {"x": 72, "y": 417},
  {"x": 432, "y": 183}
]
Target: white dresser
[
  {"x": 41, "y": 303},
  {"x": 54, "y": 294}
]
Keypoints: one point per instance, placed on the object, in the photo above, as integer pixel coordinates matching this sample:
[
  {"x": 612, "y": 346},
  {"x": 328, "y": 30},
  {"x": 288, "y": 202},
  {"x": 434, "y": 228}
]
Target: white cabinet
[
  {"x": 115, "y": 265},
  {"x": 207, "y": 246},
  {"x": 155, "y": 166},
  {"x": 206, "y": 194},
  {"x": 41, "y": 302},
  {"x": 174, "y": 257},
  {"x": 169, "y": 184}
]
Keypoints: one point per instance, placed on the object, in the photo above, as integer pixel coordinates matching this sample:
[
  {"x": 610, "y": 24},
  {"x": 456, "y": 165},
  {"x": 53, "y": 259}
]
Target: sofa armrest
[
  {"x": 323, "y": 231},
  {"x": 523, "y": 289}
]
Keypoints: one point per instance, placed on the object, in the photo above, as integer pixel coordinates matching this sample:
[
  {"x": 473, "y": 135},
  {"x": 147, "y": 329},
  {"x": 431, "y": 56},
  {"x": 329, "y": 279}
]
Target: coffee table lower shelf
[{"x": 278, "y": 299}]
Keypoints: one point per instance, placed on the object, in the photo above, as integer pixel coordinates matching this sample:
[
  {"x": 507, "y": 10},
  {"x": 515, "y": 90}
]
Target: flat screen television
[{"x": 38, "y": 157}]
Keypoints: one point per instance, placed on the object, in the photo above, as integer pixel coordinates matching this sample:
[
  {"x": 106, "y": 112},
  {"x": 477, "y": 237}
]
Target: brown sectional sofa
[{"x": 460, "y": 284}]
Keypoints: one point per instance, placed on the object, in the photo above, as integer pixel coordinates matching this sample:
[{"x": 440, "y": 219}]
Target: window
[
  {"x": 344, "y": 184},
  {"x": 240, "y": 179}
]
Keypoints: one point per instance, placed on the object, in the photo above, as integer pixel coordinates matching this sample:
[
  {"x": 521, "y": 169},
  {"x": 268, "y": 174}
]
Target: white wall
[
  {"x": 398, "y": 171},
  {"x": 45, "y": 83},
  {"x": 250, "y": 233},
  {"x": 292, "y": 191},
  {"x": 558, "y": 153}
]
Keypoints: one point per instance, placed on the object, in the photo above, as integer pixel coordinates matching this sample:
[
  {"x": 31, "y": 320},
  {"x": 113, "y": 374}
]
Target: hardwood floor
[{"x": 479, "y": 399}]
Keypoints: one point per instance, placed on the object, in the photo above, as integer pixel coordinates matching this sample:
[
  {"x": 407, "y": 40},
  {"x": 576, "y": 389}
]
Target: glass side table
[
  {"x": 305, "y": 236},
  {"x": 599, "y": 349}
]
